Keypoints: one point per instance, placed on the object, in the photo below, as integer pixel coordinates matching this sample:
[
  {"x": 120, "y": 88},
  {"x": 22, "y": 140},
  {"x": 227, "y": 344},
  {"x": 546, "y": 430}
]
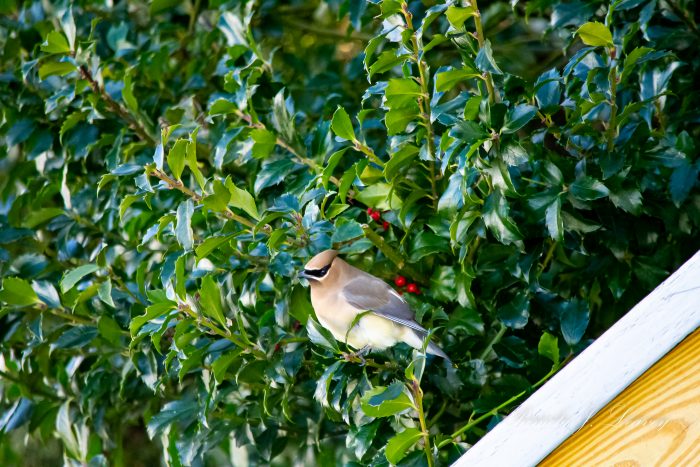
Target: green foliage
[{"x": 169, "y": 166}]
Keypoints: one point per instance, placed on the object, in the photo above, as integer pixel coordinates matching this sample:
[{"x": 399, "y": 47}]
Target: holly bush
[{"x": 168, "y": 167}]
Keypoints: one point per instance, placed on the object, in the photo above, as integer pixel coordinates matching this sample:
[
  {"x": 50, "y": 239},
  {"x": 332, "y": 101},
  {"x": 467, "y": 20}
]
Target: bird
[{"x": 341, "y": 292}]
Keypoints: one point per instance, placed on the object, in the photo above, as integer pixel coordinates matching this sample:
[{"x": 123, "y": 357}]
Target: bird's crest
[{"x": 321, "y": 260}]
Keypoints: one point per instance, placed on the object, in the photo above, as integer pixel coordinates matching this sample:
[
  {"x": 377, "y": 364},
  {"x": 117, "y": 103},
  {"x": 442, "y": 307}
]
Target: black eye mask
[{"x": 317, "y": 272}]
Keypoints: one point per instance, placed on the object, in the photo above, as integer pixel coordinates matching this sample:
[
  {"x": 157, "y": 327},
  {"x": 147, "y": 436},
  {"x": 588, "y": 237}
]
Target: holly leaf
[
  {"x": 16, "y": 291},
  {"x": 385, "y": 401},
  {"x": 588, "y": 189},
  {"x": 210, "y": 300},
  {"x": 74, "y": 276},
  {"x": 595, "y": 34},
  {"x": 398, "y": 445}
]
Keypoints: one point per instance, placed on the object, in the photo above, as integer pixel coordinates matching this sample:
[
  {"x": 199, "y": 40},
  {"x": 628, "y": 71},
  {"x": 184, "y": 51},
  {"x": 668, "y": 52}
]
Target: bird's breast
[{"x": 334, "y": 313}]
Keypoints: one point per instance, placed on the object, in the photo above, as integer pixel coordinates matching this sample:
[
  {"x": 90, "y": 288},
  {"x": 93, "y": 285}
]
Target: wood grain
[
  {"x": 600, "y": 373},
  {"x": 655, "y": 421}
]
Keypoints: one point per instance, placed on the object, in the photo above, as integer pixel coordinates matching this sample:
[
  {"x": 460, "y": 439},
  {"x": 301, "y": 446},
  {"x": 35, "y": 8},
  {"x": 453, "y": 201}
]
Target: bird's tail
[{"x": 435, "y": 350}]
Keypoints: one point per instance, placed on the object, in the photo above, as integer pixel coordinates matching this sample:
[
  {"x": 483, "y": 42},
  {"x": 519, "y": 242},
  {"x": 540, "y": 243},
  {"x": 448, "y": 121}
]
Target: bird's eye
[{"x": 317, "y": 272}]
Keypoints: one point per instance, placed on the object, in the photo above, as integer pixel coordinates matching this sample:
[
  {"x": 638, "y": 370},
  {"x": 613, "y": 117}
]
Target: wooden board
[
  {"x": 655, "y": 421},
  {"x": 595, "y": 377}
]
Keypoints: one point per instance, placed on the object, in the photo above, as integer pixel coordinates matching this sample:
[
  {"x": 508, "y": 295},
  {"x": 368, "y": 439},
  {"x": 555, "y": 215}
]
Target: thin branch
[
  {"x": 326, "y": 32},
  {"x": 178, "y": 185},
  {"x": 143, "y": 133},
  {"x": 285, "y": 145},
  {"x": 193, "y": 17},
  {"x": 497, "y": 409},
  {"x": 424, "y": 429},
  {"x": 548, "y": 257},
  {"x": 494, "y": 96},
  {"x": 227, "y": 213},
  {"x": 393, "y": 255},
  {"x": 293, "y": 340},
  {"x": 226, "y": 334},
  {"x": 87, "y": 223},
  {"x": 122, "y": 285},
  {"x": 684, "y": 16},
  {"x": 472, "y": 250},
  {"x": 67, "y": 316},
  {"x": 439, "y": 413},
  {"x": 353, "y": 358},
  {"x": 423, "y": 100},
  {"x": 39, "y": 391},
  {"x": 487, "y": 350},
  {"x": 117, "y": 108},
  {"x": 369, "y": 152},
  {"x": 612, "y": 122},
  {"x": 418, "y": 399}
]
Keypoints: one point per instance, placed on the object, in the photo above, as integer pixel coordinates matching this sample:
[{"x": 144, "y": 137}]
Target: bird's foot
[
  {"x": 354, "y": 357},
  {"x": 358, "y": 356}
]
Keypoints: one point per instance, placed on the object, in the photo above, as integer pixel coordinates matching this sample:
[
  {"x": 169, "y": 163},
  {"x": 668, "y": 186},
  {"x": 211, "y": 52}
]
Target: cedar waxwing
[{"x": 340, "y": 292}]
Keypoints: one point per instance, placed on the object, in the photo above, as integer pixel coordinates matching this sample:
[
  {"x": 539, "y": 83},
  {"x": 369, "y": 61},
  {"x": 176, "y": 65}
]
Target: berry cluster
[
  {"x": 401, "y": 281},
  {"x": 376, "y": 217}
]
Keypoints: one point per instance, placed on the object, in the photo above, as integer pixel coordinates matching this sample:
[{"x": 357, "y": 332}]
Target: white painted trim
[{"x": 596, "y": 376}]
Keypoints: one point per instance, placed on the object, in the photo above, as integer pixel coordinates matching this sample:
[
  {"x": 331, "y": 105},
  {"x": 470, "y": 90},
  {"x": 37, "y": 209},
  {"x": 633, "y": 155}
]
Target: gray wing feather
[{"x": 367, "y": 293}]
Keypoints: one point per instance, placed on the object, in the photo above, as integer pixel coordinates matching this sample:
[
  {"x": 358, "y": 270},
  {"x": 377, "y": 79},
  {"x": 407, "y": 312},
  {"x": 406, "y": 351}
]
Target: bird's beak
[{"x": 307, "y": 276}]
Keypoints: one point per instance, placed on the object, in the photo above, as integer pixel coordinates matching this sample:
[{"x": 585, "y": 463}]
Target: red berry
[
  {"x": 376, "y": 216},
  {"x": 385, "y": 225},
  {"x": 370, "y": 211},
  {"x": 412, "y": 288},
  {"x": 400, "y": 281}
]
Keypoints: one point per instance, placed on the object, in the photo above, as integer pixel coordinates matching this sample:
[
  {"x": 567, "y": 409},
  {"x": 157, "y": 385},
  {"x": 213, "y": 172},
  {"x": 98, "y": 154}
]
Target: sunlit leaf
[
  {"x": 380, "y": 196},
  {"x": 398, "y": 445},
  {"x": 321, "y": 336},
  {"x": 458, "y": 15},
  {"x": 16, "y": 291},
  {"x": 341, "y": 124},
  {"x": 449, "y": 79},
  {"x": 55, "y": 43},
  {"x": 548, "y": 347},
  {"x": 183, "y": 229},
  {"x": 385, "y": 401},
  {"x": 176, "y": 158},
  {"x": 55, "y": 68},
  {"x": 595, "y": 34},
  {"x": 241, "y": 199},
  {"x": 72, "y": 277},
  {"x": 210, "y": 299},
  {"x": 484, "y": 60}
]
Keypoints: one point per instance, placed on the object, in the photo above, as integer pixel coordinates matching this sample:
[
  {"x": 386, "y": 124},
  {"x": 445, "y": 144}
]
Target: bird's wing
[{"x": 367, "y": 293}]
